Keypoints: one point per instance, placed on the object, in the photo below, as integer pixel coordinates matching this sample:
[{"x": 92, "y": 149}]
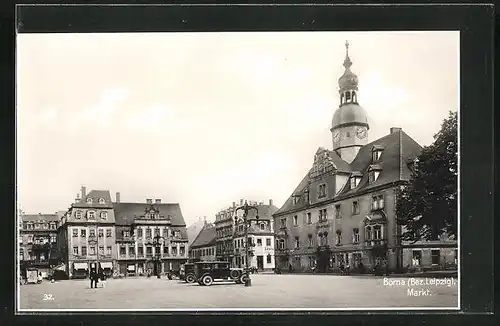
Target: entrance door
[{"x": 260, "y": 262}]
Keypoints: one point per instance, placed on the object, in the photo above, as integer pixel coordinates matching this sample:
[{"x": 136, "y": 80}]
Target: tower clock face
[
  {"x": 361, "y": 132},
  {"x": 336, "y": 135}
]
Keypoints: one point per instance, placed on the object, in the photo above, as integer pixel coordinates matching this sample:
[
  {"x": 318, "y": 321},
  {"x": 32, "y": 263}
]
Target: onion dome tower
[{"x": 349, "y": 123}]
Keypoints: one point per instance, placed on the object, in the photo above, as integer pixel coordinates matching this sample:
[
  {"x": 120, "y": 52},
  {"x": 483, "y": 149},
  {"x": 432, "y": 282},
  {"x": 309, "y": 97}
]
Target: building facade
[
  {"x": 203, "y": 247},
  {"x": 224, "y": 225},
  {"x": 137, "y": 226},
  {"x": 342, "y": 213},
  {"x": 86, "y": 234},
  {"x": 38, "y": 241},
  {"x": 260, "y": 238}
]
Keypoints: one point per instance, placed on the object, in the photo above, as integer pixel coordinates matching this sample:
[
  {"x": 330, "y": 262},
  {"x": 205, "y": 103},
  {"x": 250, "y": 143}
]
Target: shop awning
[
  {"x": 131, "y": 267},
  {"x": 107, "y": 265},
  {"x": 80, "y": 266},
  {"x": 60, "y": 267}
]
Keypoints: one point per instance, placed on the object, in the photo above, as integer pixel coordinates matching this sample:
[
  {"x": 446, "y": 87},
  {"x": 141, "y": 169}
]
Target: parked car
[
  {"x": 187, "y": 273},
  {"x": 208, "y": 272}
]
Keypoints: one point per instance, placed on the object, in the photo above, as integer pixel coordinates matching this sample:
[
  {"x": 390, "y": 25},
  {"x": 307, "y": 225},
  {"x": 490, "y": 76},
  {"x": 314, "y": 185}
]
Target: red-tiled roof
[
  {"x": 205, "y": 238},
  {"x": 397, "y": 149}
]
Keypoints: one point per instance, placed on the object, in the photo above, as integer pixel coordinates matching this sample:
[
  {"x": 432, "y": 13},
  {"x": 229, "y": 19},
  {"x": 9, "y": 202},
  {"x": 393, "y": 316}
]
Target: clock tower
[{"x": 349, "y": 123}]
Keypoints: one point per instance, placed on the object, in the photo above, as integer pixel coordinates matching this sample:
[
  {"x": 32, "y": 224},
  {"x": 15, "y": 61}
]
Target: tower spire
[{"x": 347, "y": 60}]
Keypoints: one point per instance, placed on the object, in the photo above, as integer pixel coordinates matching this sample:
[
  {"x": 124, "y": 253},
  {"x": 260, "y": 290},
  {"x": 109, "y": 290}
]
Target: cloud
[{"x": 101, "y": 113}]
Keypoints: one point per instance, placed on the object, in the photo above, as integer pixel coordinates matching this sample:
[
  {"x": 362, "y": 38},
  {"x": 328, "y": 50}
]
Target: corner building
[{"x": 342, "y": 213}]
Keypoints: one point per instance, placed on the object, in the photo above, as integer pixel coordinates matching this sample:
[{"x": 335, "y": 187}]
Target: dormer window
[
  {"x": 91, "y": 215},
  {"x": 296, "y": 199},
  {"x": 377, "y": 152},
  {"x": 104, "y": 215},
  {"x": 89, "y": 200},
  {"x": 322, "y": 190},
  {"x": 377, "y": 202},
  {"x": 373, "y": 176},
  {"x": 102, "y": 201},
  {"x": 78, "y": 215}
]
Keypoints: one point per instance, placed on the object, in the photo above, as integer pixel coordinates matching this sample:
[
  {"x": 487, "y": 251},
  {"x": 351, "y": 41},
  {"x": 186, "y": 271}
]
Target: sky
[{"x": 204, "y": 119}]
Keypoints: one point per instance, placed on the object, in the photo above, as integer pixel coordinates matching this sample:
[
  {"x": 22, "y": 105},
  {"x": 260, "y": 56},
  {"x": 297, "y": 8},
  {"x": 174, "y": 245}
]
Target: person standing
[{"x": 92, "y": 277}]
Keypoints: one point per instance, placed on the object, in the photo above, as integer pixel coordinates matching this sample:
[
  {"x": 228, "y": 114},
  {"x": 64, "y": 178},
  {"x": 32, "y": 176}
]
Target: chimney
[
  {"x": 117, "y": 197},
  {"x": 149, "y": 201},
  {"x": 270, "y": 202},
  {"x": 84, "y": 191},
  {"x": 157, "y": 201},
  {"x": 234, "y": 204},
  {"x": 394, "y": 129}
]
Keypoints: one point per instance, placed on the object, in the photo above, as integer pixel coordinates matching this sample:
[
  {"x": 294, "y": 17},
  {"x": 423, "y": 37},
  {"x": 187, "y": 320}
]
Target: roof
[
  {"x": 126, "y": 213},
  {"x": 205, "y": 238},
  {"x": 39, "y": 217},
  {"x": 398, "y": 149},
  {"x": 194, "y": 229},
  {"x": 95, "y": 195}
]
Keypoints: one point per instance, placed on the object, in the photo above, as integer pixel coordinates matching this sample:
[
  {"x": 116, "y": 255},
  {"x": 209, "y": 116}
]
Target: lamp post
[
  {"x": 246, "y": 221},
  {"x": 157, "y": 242}
]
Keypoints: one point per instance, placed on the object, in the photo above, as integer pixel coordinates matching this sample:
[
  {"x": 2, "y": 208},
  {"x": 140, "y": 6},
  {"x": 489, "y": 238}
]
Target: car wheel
[
  {"x": 235, "y": 274},
  {"x": 190, "y": 278},
  {"x": 242, "y": 278},
  {"x": 207, "y": 280}
]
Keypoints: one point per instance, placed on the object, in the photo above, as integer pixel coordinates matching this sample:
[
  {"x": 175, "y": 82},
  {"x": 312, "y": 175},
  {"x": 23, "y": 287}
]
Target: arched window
[
  {"x": 347, "y": 96},
  {"x": 89, "y": 200},
  {"x": 102, "y": 201},
  {"x": 368, "y": 233},
  {"x": 377, "y": 232},
  {"x": 104, "y": 215},
  {"x": 354, "y": 97}
]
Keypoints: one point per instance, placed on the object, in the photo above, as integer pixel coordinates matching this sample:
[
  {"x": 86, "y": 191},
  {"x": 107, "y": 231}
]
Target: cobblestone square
[{"x": 268, "y": 291}]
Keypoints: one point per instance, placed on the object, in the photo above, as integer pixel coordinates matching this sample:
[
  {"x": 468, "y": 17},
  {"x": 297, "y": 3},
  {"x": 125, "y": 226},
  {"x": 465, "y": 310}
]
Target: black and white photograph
[{"x": 237, "y": 171}]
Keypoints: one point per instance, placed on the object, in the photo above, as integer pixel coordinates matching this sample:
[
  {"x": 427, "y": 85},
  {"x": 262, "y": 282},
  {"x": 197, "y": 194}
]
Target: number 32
[{"x": 47, "y": 297}]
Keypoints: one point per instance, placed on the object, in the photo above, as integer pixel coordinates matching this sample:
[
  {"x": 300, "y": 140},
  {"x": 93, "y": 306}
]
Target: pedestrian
[
  {"x": 91, "y": 277},
  {"x": 39, "y": 278}
]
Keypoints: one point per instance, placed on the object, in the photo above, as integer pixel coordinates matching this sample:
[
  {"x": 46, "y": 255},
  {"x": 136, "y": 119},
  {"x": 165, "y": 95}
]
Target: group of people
[{"x": 97, "y": 275}]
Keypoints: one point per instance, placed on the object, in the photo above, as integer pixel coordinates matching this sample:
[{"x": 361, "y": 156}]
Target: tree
[{"x": 427, "y": 205}]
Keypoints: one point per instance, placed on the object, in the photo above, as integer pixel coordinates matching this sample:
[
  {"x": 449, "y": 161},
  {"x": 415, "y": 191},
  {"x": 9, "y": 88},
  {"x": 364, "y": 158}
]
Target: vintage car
[
  {"x": 208, "y": 272},
  {"x": 187, "y": 273}
]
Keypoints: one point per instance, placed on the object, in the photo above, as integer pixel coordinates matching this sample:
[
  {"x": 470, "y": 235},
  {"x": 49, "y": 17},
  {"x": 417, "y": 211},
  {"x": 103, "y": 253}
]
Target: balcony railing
[{"x": 376, "y": 243}]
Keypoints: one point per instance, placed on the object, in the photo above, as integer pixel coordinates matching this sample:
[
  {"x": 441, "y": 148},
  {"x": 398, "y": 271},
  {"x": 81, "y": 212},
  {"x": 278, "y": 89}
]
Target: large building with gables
[
  {"x": 342, "y": 213},
  {"x": 137, "y": 226}
]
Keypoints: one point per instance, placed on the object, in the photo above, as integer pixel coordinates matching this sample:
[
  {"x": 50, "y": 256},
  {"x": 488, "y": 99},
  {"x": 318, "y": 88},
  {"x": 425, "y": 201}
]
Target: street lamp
[
  {"x": 157, "y": 242},
  {"x": 246, "y": 220}
]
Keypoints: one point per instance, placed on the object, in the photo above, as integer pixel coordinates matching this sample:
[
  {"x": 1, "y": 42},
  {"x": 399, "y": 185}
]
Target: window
[
  {"x": 83, "y": 233},
  {"x": 235, "y": 244},
  {"x": 149, "y": 250},
  {"x": 338, "y": 238},
  {"x": 104, "y": 215},
  {"x": 102, "y": 201},
  {"x": 310, "y": 238},
  {"x": 295, "y": 199},
  {"x": 53, "y": 238},
  {"x": 322, "y": 190},
  {"x": 295, "y": 220},
  {"x": 283, "y": 222},
  {"x": 109, "y": 250},
  {"x": 92, "y": 250},
  {"x": 308, "y": 218},
  {"x": 262, "y": 226},
  {"x": 165, "y": 250},
  {"x": 435, "y": 256},
  {"x": 78, "y": 214},
  {"x": 84, "y": 250},
  {"x": 376, "y": 153},
  {"x": 355, "y": 207},
  {"x": 417, "y": 257},
  {"x": 182, "y": 251},
  {"x": 75, "y": 250},
  {"x": 268, "y": 242},
  {"x": 322, "y": 215},
  {"x": 368, "y": 233},
  {"x": 377, "y": 232},
  {"x": 259, "y": 242},
  {"x": 91, "y": 215},
  {"x": 355, "y": 235},
  {"x": 148, "y": 233},
  {"x": 91, "y": 233},
  {"x": 75, "y": 233},
  {"x": 297, "y": 243},
  {"x": 123, "y": 251},
  {"x": 140, "y": 251},
  {"x": 174, "y": 251},
  {"x": 268, "y": 258},
  {"x": 37, "y": 226},
  {"x": 101, "y": 250},
  {"x": 89, "y": 200},
  {"x": 100, "y": 232},
  {"x": 108, "y": 233},
  {"x": 126, "y": 233},
  {"x": 377, "y": 202},
  {"x": 281, "y": 244},
  {"x": 139, "y": 233},
  {"x": 338, "y": 213},
  {"x": 347, "y": 134}
]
